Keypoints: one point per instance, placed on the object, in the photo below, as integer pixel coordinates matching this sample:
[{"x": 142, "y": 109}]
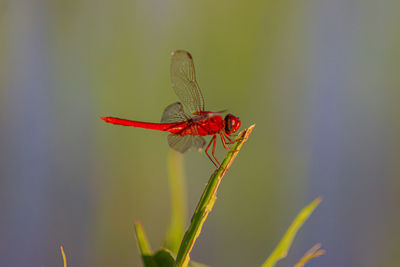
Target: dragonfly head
[{"x": 232, "y": 123}]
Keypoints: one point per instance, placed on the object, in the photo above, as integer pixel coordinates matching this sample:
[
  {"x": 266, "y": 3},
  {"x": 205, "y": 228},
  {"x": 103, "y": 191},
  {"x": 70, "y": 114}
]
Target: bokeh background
[{"x": 319, "y": 78}]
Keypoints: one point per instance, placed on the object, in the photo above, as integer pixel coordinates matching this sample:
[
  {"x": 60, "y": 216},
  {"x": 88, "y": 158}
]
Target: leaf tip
[
  {"x": 63, "y": 256},
  {"x": 312, "y": 253}
]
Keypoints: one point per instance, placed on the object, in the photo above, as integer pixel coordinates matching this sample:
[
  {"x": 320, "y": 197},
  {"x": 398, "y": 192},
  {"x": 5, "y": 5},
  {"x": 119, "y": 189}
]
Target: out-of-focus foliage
[
  {"x": 177, "y": 184},
  {"x": 64, "y": 258},
  {"x": 282, "y": 249},
  {"x": 312, "y": 253}
]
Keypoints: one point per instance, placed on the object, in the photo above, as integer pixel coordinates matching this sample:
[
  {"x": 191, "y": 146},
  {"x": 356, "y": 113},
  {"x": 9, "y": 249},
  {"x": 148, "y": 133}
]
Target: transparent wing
[
  {"x": 184, "y": 82},
  {"x": 183, "y": 143},
  {"x": 198, "y": 142},
  {"x": 174, "y": 113}
]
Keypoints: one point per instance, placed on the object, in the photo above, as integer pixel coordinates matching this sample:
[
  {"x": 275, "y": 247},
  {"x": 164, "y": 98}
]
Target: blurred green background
[{"x": 319, "y": 78}]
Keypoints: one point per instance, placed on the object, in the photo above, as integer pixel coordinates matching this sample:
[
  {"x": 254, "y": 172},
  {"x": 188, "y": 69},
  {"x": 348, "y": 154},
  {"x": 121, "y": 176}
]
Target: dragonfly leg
[
  {"x": 224, "y": 143},
  {"x": 213, "y": 151},
  {"x": 228, "y": 137},
  {"x": 208, "y": 146}
]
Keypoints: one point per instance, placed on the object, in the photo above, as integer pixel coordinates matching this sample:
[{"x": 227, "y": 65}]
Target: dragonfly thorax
[{"x": 232, "y": 123}]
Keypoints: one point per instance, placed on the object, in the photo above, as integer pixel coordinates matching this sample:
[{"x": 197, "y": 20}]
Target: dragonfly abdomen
[{"x": 140, "y": 124}]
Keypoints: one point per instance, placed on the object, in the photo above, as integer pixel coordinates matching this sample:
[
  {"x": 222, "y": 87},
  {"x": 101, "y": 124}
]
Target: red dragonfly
[{"x": 188, "y": 130}]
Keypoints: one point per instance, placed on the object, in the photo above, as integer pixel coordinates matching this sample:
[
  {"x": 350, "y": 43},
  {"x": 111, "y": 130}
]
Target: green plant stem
[
  {"x": 177, "y": 185},
  {"x": 207, "y": 201}
]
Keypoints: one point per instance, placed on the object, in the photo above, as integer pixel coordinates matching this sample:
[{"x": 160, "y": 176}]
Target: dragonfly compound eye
[{"x": 232, "y": 124}]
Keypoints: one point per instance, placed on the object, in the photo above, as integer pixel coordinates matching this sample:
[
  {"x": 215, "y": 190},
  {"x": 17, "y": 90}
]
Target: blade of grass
[
  {"x": 176, "y": 176},
  {"x": 142, "y": 240},
  {"x": 207, "y": 201},
  {"x": 144, "y": 246},
  {"x": 312, "y": 253},
  {"x": 63, "y": 256},
  {"x": 284, "y": 245}
]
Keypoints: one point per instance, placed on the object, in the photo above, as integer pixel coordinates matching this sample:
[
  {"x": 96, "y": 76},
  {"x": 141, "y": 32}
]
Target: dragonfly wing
[
  {"x": 198, "y": 142},
  {"x": 174, "y": 113},
  {"x": 183, "y": 79},
  {"x": 183, "y": 143}
]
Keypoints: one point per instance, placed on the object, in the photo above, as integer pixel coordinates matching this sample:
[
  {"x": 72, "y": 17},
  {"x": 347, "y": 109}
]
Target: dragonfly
[{"x": 188, "y": 129}]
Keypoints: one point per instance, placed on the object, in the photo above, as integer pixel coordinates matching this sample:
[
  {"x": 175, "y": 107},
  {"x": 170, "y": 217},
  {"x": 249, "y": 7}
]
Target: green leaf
[
  {"x": 207, "y": 201},
  {"x": 144, "y": 246},
  {"x": 284, "y": 245},
  {"x": 164, "y": 258},
  {"x": 176, "y": 227}
]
